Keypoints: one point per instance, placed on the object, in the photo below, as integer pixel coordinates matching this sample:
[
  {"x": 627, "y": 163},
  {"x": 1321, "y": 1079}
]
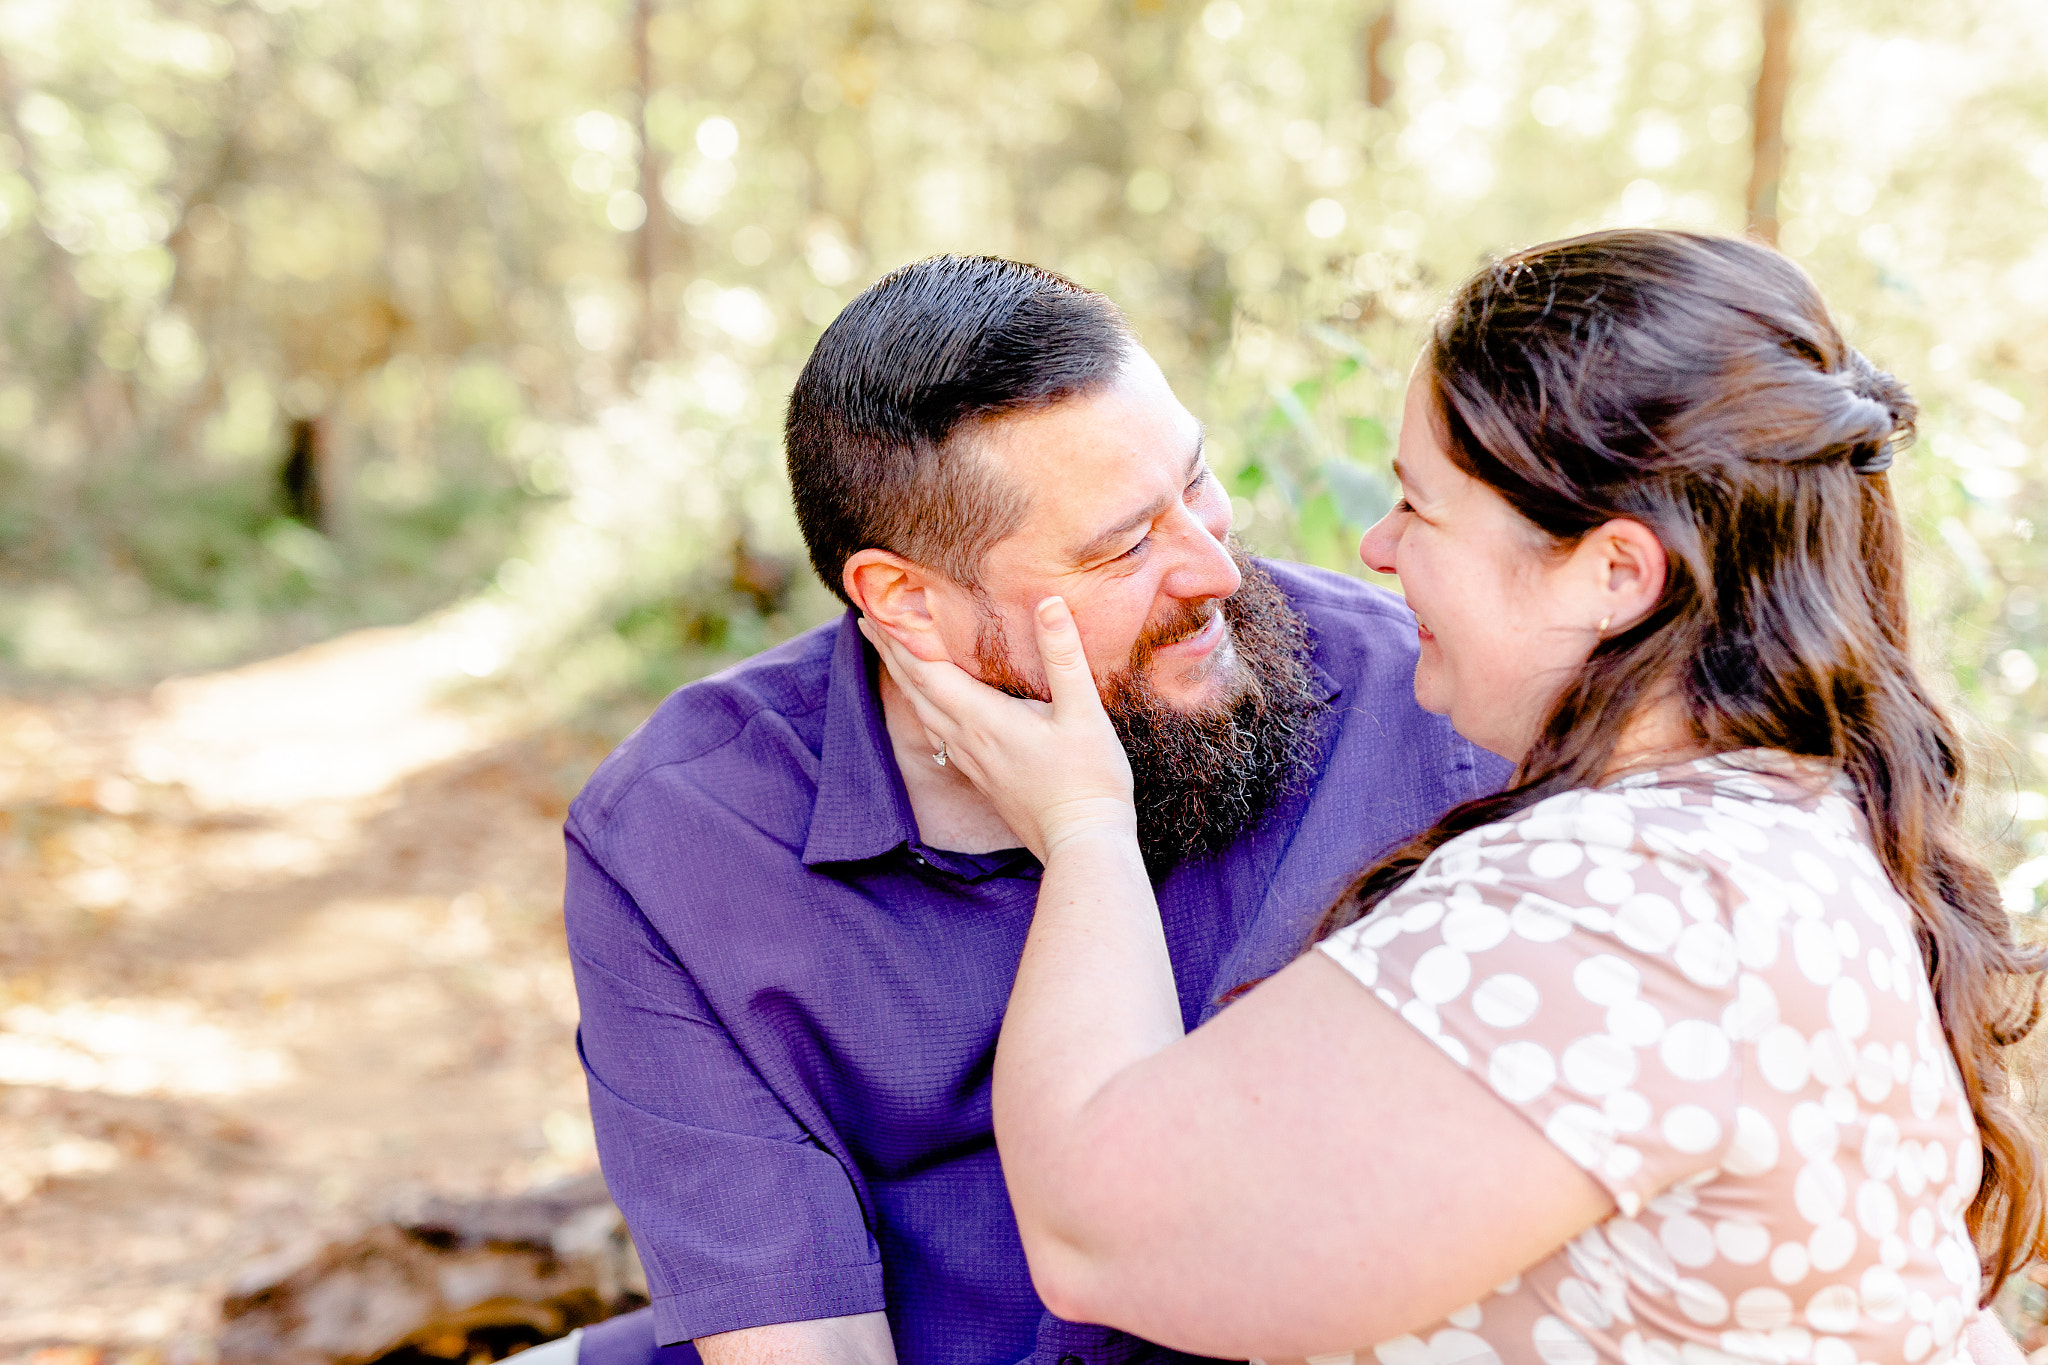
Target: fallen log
[{"x": 473, "y": 1281}]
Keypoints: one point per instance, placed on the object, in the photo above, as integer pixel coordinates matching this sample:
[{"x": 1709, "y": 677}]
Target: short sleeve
[
  {"x": 741, "y": 1218},
  {"x": 1591, "y": 983}
]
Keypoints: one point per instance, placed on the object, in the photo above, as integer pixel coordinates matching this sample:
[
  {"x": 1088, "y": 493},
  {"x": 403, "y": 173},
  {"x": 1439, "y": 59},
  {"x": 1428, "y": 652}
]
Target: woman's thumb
[{"x": 1059, "y": 649}]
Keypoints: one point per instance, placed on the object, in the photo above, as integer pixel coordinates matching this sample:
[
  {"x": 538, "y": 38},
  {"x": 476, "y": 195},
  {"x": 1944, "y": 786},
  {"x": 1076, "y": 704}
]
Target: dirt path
[{"x": 279, "y": 948}]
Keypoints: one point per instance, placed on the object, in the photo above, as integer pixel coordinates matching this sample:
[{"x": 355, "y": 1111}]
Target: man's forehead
[{"x": 1094, "y": 433}]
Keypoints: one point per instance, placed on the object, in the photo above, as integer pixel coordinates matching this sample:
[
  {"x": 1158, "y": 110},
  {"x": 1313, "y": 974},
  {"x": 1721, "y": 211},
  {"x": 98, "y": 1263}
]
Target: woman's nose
[{"x": 1376, "y": 549}]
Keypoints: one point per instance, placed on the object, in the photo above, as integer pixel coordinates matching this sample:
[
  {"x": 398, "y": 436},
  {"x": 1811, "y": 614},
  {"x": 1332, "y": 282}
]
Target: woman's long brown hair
[{"x": 1699, "y": 386}]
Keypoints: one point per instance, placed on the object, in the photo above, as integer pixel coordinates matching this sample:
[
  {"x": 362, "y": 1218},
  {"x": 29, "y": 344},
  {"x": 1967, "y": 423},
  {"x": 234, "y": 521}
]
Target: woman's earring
[{"x": 1605, "y": 621}]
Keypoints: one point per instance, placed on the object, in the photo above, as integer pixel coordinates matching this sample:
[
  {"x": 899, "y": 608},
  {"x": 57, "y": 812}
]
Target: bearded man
[{"x": 795, "y": 926}]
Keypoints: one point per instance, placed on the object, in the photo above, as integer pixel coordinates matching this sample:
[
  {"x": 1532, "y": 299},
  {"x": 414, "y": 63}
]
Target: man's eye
[{"x": 1132, "y": 552}]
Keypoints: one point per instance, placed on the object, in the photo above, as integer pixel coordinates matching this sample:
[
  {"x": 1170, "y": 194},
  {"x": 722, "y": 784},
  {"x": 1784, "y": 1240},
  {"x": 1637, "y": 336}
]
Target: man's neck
[{"x": 950, "y": 813}]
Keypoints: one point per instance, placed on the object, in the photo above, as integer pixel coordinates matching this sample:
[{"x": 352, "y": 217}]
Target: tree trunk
[
  {"x": 647, "y": 238},
  {"x": 1379, "y": 36},
  {"x": 97, "y": 403},
  {"x": 497, "y": 159},
  {"x": 1767, "y": 117},
  {"x": 308, "y": 479}
]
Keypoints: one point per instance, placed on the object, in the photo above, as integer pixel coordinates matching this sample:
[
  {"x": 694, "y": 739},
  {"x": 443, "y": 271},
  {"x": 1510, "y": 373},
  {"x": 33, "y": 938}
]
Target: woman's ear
[
  {"x": 895, "y": 593},
  {"x": 1630, "y": 564}
]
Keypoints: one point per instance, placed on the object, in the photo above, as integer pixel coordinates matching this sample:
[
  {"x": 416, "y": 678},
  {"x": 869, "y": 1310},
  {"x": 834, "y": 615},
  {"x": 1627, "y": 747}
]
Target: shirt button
[{"x": 1072, "y": 1360}]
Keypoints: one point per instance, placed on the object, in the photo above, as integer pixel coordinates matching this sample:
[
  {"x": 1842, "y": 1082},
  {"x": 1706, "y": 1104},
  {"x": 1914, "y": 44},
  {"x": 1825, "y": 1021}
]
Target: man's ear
[
  {"x": 895, "y": 593},
  {"x": 1631, "y": 565}
]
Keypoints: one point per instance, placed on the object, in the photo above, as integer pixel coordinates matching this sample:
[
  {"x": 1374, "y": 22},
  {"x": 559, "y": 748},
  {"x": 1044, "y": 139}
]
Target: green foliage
[
  {"x": 496, "y": 266},
  {"x": 1318, "y": 473},
  {"x": 215, "y": 220}
]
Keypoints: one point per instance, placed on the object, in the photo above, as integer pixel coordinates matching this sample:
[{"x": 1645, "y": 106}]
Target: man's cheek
[{"x": 1107, "y": 650}]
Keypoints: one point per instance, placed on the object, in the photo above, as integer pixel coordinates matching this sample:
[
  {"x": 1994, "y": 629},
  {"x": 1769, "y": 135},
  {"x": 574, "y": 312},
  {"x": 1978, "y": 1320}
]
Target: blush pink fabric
[{"x": 1699, "y": 984}]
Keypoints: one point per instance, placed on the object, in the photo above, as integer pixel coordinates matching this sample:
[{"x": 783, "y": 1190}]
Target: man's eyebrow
[{"x": 1101, "y": 543}]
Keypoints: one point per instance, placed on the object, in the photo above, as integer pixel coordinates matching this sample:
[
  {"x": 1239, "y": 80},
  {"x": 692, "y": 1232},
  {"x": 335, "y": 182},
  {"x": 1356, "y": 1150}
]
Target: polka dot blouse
[{"x": 1701, "y": 987}]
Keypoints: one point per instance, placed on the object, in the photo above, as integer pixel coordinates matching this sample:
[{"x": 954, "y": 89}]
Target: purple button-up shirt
[{"x": 790, "y": 1001}]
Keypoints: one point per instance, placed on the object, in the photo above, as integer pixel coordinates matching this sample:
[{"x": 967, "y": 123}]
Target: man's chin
[{"x": 1211, "y": 684}]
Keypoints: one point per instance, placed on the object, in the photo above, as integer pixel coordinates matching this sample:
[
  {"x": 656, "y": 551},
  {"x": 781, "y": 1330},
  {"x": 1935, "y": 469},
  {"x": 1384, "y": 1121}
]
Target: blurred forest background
[{"x": 473, "y": 323}]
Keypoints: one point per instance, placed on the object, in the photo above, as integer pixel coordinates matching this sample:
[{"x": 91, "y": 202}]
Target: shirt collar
[
  {"x": 862, "y": 810},
  {"x": 1327, "y": 687}
]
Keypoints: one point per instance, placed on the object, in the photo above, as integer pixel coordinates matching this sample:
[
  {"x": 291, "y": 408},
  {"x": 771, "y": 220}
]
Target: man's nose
[{"x": 1206, "y": 568}]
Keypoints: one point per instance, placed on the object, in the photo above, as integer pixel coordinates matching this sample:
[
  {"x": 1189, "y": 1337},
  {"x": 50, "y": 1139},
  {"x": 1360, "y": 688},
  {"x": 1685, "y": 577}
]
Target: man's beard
[{"x": 1203, "y": 777}]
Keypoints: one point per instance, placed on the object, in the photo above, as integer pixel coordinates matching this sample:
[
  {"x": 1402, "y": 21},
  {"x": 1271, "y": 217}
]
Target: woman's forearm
[{"x": 1094, "y": 995}]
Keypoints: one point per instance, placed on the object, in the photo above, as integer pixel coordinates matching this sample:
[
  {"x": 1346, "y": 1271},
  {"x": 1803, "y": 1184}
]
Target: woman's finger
[
  {"x": 909, "y": 672},
  {"x": 902, "y": 663},
  {"x": 1067, "y": 675},
  {"x": 944, "y": 698}
]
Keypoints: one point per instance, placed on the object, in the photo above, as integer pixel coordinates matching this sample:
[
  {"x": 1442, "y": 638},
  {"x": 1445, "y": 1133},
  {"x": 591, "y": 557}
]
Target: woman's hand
[{"x": 1052, "y": 770}]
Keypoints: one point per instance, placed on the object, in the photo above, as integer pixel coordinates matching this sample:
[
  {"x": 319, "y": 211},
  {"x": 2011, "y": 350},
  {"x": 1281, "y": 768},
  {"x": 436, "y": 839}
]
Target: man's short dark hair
[{"x": 925, "y": 350}]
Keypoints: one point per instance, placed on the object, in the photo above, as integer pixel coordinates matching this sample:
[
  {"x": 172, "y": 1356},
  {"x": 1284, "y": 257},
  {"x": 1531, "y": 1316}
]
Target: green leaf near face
[{"x": 1359, "y": 496}]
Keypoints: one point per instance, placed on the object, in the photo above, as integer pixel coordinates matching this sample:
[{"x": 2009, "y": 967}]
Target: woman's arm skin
[{"x": 1306, "y": 1173}]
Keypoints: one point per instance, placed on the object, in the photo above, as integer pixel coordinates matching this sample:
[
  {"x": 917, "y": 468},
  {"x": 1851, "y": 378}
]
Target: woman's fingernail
[{"x": 1053, "y": 613}]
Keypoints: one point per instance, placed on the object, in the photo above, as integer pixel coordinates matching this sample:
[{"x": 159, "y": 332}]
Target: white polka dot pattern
[{"x": 1701, "y": 987}]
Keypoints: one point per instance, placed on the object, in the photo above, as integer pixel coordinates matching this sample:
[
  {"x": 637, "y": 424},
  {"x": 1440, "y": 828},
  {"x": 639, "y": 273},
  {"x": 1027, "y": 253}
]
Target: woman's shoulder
[
  {"x": 1719, "y": 812},
  {"x": 1712, "y": 861}
]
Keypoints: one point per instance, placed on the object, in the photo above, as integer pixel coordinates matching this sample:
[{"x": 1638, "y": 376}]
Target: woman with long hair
[{"x": 1690, "y": 1044}]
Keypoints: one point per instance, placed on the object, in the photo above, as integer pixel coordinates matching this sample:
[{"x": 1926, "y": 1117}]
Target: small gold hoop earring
[{"x": 1605, "y": 621}]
